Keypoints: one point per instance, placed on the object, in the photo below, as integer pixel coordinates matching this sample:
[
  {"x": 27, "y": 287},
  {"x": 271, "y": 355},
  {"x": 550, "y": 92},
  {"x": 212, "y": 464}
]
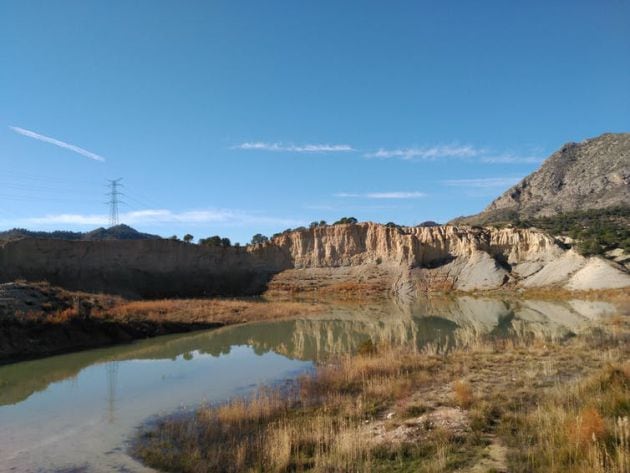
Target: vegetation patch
[
  {"x": 482, "y": 404},
  {"x": 596, "y": 230}
]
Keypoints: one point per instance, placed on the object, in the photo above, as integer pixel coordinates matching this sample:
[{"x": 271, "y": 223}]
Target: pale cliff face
[
  {"x": 370, "y": 243},
  {"x": 419, "y": 259},
  {"x": 405, "y": 260}
]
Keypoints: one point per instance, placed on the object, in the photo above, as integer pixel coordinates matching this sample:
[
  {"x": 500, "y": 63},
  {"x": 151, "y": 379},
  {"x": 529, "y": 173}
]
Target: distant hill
[
  {"x": 593, "y": 174},
  {"x": 118, "y": 232}
]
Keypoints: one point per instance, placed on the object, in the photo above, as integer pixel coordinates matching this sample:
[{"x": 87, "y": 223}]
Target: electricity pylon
[{"x": 114, "y": 199}]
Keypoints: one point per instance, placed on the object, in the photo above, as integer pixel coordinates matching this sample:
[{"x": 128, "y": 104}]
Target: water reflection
[
  {"x": 78, "y": 408},
  {"x": 85, "y": 419},
  {"x": 445, "y": 321},
  {"x": 111, "y": 368}
]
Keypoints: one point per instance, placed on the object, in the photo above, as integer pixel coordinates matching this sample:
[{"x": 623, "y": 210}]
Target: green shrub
[
  {"x": 344, "y": 220},
  {"x": 596, "y": 230}
]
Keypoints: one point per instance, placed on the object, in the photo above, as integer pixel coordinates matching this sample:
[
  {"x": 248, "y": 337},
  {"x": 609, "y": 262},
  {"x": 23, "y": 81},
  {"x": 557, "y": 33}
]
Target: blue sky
[{"x": 238, "y": 117}]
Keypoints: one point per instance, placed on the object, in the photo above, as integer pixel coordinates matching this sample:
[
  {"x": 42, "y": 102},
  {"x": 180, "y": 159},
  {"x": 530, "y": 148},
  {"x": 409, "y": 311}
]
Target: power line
[{"x": 114, "y": 200}]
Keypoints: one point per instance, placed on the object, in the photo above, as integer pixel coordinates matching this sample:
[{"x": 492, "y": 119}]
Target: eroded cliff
[
  {"x": 364, "y": 257},
  {"x": 418, "y": 259}
]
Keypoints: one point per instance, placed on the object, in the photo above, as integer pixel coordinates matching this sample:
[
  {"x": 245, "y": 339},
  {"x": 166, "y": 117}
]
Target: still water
[{"x": 76, "y": 412}]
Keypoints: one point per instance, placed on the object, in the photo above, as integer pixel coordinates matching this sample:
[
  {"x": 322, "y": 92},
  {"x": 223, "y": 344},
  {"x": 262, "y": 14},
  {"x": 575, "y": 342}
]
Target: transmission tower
[
  {"x": 111, "y": 372},
  {"x": 114, "y": 199}
]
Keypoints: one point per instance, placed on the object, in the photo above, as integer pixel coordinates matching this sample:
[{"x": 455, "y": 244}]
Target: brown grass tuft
[
  {"x": 587, "y": 427},
  {"x": 462, "y": 391}
]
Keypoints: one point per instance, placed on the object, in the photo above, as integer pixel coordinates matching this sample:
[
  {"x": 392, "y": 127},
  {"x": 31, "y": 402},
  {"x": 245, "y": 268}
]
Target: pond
[{"x": 76, "y": 412}]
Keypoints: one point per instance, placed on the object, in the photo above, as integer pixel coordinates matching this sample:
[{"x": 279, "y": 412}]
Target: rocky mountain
[{"x": 593, "y": 174}]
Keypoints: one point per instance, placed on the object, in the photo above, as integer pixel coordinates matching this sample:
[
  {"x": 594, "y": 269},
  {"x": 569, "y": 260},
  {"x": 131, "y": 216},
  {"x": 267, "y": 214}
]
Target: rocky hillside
[
  {"x": 593, "y": 174},
  {"x": 364, "y": 257}
]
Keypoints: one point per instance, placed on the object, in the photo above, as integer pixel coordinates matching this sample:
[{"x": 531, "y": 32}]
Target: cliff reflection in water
[{"x": 436, "y": 322}]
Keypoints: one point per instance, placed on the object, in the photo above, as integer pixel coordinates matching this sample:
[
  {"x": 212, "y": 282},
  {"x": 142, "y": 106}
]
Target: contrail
[{"x": 61, "y": 144}]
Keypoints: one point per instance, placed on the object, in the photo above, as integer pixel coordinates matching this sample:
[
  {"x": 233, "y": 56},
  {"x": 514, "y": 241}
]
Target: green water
[{"x": 79, "y": 410}]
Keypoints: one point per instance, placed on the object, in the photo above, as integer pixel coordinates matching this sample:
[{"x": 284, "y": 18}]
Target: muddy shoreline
[
  {"x": 22, "y": 341},
  {"x": 39, "y": 320}
]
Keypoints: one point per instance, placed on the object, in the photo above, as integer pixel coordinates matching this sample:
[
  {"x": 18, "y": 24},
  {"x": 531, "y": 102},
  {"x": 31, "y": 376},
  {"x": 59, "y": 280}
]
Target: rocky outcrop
[
  {"x": 363, "y": 257},
  {"x": 371, "y": 243},
  {"x": 422, "y": 259},
  {"x": 593, "y": 174}
]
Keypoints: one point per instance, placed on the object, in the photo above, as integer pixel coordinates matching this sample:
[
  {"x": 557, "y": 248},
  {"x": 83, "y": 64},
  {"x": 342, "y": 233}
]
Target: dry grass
[
  {"x": 587, "y": 426},
  {"x": 556, "y": 293},
  {"x": 39, "y": 319},
  {"x": 557, "y": 407},
  {"x": 578, "y": 428},
  {"x": 317, "y": 425},
  {"x": 463, "y": 393},
  {"x": 43, "y": 303},
  {"x": 178, "y": 311},
  {"x": 353, "y": 290},
  {"x": 63, "y": 316},
  {"x": 56, "y": 317},
  {"x": 220, "y": 311}
]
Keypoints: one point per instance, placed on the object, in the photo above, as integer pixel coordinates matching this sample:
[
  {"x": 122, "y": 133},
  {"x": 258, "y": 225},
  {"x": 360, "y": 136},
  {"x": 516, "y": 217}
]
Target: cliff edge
[
  {"x": 349, "y": 257},
  {"x": 440, "y": 258}
]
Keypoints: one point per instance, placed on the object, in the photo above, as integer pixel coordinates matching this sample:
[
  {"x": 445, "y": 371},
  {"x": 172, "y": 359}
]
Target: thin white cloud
[
  {"x": 483, "y": 182},
  {"x": 427, "y": 153},
  {"x": 157, "y": 216},
  {"x": 307, "y": 148},
  {"x": 383, "y": 195},
  {"x": 510, "y": 159},
  {"x": 56, "y": 142},
  {"x": 465, "y": 152}
]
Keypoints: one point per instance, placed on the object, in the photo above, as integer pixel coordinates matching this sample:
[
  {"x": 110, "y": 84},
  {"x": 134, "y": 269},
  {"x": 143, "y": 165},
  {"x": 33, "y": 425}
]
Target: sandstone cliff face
[
  {"x": 417, "y": 259},
  {"x": 406, "y": 261},
  {"x": 364, "y": 243}
]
